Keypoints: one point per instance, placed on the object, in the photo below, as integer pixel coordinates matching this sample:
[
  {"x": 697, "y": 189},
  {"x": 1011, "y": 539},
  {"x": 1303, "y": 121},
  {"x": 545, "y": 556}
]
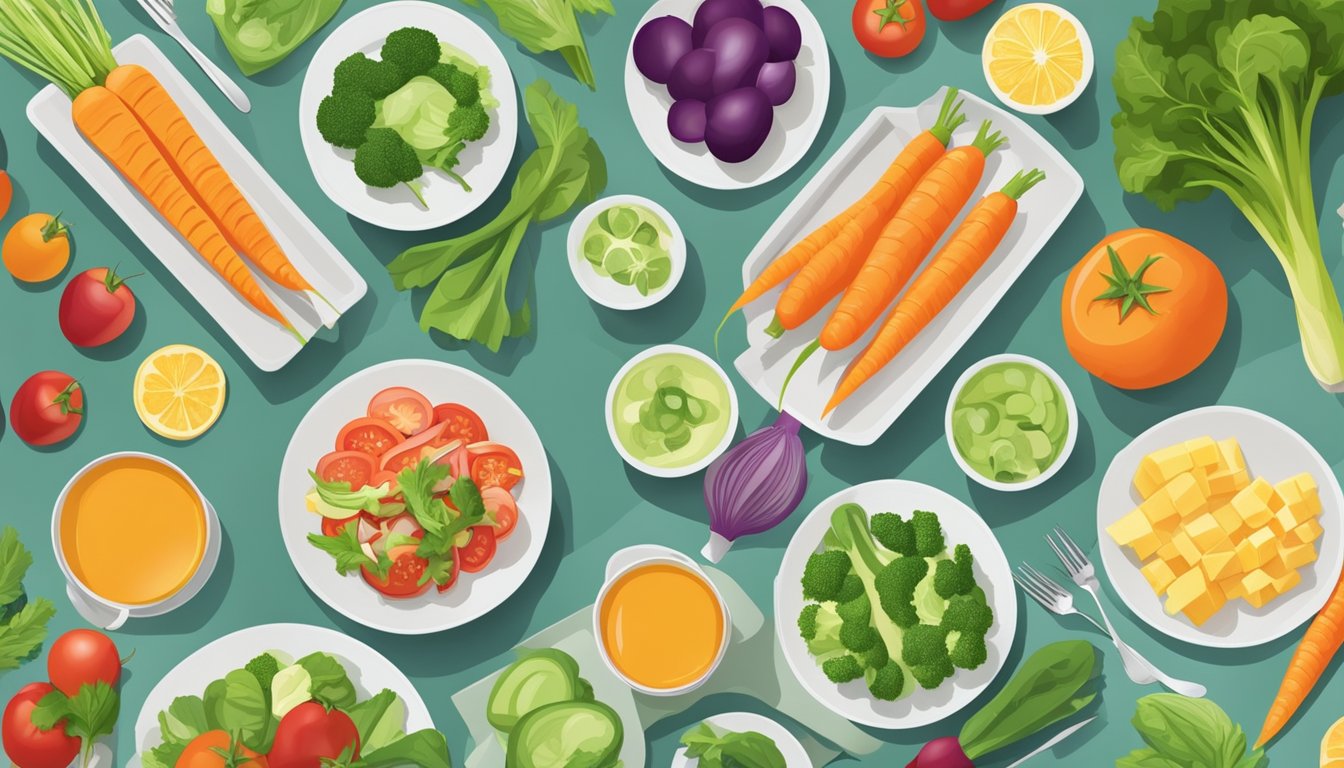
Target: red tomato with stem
[
  {"x": 480, "y": 550},
  {"x": 96, "y": 307},
  {"x": 495, "y": 464},
  {"x": 310, "y": 732},
  {"x": 956, "y": 10},
  {"x": 83, "y": 657},
  {"x": 353, "y": 467},
  {"x": 47, "y": 408},
  {"x": 27, "y": 746},
  {"x": 403, "y": 577},
  {"x": 403, "y": 408},
  {"x": 368, "y": 435},
  {"x": 461, "y": 423},
  {"x": 889, "y": 28},
  {"x": 500, "y": 503}
]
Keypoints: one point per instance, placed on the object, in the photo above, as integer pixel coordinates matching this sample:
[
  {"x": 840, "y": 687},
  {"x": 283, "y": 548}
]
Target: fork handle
[
  {"x": 1127, "y": 653},
  {"x": 221, "y": 80}
]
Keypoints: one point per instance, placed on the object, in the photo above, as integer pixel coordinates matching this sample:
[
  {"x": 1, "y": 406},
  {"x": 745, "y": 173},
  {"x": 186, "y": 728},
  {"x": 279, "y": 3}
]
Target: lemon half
[
  {"x": 1332, "y": 746},
  {"x": 1037, "y": 58},
  {"x": 179, "y": 392}
]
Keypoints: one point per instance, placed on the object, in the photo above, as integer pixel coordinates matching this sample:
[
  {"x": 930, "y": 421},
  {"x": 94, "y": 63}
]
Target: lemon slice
[
  {"x": 1332, "y": 746},
  {"x": 179, "y": 392},
  {"x": 1037, "y": 58}
]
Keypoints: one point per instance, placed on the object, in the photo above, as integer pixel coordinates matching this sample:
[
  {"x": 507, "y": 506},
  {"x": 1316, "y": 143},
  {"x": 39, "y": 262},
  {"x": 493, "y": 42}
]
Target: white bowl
[
  {"x": 689, "y": 469},
  {"x": 1069, "y": 405},
  {"x": 606, "y": 291},
  {"x": 741, "y": 722},
  {"x": 1089, "y": 63}
]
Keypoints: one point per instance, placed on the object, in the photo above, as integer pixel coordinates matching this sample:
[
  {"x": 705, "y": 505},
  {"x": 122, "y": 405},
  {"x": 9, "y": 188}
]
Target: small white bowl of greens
[
  {"x": 626, "y": 252},
  {"x": 1011, "y": 422},
  {"x": 671, "y": 411}
]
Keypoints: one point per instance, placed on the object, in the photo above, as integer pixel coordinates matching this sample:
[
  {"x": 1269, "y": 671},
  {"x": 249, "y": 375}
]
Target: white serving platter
[
  {"x": 268, "y": 345},
  {"x": 844, "y": 178}
]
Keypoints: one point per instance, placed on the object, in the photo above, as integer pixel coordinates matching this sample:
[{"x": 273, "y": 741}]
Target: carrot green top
[{"x": 64, "y": 41}]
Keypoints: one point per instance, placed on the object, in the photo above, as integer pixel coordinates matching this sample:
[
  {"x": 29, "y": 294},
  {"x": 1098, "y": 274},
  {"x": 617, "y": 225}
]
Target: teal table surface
[{"x": 559, "y": 376}]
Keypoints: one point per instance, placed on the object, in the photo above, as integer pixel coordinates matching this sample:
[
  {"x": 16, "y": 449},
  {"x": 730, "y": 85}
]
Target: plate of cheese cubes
[{"x": 1221, "y": 527}]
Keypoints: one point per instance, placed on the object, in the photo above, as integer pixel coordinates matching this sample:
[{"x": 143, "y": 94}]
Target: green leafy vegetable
[
  {"x": 1222, "y": 96},
  {"x": 346, "y": 550},
  {"x": 1181, "y": 731},
  {"x": 23, "y": 625},
  {"x": 260, "y": 33},
  {"x": 748, "y": 749},
  {"x": 378, "y": 719},
  {"x": 471, "y": 272},
  {"x": 424, "y": 749},
  {"x": 290, "y": 687},
  {"x": 551, "y": 25},
  {"x": 88, "y": 715},
  {"x": 331, "y": 686},
  {"x": 15, "y": 559}
]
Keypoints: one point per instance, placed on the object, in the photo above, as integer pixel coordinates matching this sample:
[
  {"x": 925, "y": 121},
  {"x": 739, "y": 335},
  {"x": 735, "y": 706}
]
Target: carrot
[
  {"x": 896, "y": 182},
  {"x": 202, "y": 174},
  {"x": 946, "y": 275},
  {"x": 111, "y": 127},
  {"x": 1320, "y": 643}
]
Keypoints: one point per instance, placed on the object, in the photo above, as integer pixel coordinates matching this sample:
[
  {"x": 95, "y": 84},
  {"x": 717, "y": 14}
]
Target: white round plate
[
  {"x": 961, "y": 525},
  {"x": 1273, "y": 451},
  {"x": 603, "y": 289},
  {"x": 741, "y": 722},
  {"x": 474, "y": 594},
  {"x": 367, "y": 668},
  {"x": 483, "y": 163},
  {"x": 797, "y": 121}
]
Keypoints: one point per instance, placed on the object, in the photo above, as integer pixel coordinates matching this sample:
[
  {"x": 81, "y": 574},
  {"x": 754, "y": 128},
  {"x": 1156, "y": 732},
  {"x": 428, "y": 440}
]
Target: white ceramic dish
[
  {"x": 741, "y": 722},
  {"x": 689, "y": 469},
  {"x": 853, "y": 169},
  {"x": 266, "y": 343},
  {"x": 368, "y": 670},
  {"x": 1089, "y": 63},
  {"x": 606, "y": 291},
  {"x": 961, "y": 525},
  {"x": 483, "y": 163},
  {"x": 474, "y": 594},
  {"x": 1273, "y": 451},
  {"x": 630, "y": 558},
  {"x": 797, "y": 121},
  {"x": 1070, "y": 407}
]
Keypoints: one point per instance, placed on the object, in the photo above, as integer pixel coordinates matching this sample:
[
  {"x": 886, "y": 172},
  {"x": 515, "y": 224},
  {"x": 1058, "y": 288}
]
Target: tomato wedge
[
  {"x": 353, "y": 467},
  {"x": 368, "y": 435},
  {"x": 409, "y": 453},
  {"x": 333, "y": 527},
  {"x": 404, "y": 408},
  {"x": 461, "y": 422},
  {"x": 480, "y": 550},
  {"x": 403, "y": 578},
  {"x": 500, "y": 503},
  {"x": 495, "y": 465}
]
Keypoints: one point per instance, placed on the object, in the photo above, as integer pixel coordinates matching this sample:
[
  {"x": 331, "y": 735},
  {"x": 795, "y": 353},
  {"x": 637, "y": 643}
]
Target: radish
[{"x": 945, "y": 752}]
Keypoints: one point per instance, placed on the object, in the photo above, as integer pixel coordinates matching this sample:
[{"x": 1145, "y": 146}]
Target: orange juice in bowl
[
  {"x": 134, "y": 536},
  {"x": 661, "y": 624}
]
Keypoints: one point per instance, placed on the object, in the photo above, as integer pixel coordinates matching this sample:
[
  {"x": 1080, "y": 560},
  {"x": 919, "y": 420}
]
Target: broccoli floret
[
  {"x": 819, "y": 625},
  {"x": 875, "y": 657},
  {"x": 415, "y": 51},
  {"x": 856, "y": 611},
  {"x": 888, "y": 682},
  {"x": 858, "y": 637},
  {"x": 932, "y": 675},
  {"x": 969, "y": 613},
  {"x": 264, "y": 668},
  {"x": 468, "y": 123},
  {"x": 924, "y": 651},
  {"x": 842, "y": 669},
  {"x": 894, "y": 532},
  {"x": 895, "y": 586},
  {"x": 378, "y": 79},
  {"x": 969, "y": 651},
  {"x": 344, "y": 117},
  {"x": 850, "y": 588},
  {"x": 928, "y": 534},
  {"x": 824, "y": 574},
  {"x": 956, "y": 576},
  {"x": 385, "y": 160},
  {"x": 464, "y": 86},
  {"x": 807, "y": 621}
]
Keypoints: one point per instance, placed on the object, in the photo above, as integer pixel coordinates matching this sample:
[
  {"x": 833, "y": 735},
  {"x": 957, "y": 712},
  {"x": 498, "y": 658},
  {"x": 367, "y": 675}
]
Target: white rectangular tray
[
  {"x": 853, "y": 169},
  {"x": 267, "y": 344}
]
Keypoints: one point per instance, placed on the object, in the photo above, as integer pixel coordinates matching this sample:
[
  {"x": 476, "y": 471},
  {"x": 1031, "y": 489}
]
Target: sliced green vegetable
[
  {"x": 551, "y": 25},
  {"x": 1010, "y": 422},
  {"x": 573, "y": 734},
  {"x": 261, "y": 33},
  {"x": 538, "y": 678}
]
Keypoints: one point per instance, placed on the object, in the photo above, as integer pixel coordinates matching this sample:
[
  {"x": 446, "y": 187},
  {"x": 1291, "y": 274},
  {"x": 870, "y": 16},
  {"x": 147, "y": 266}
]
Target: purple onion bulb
[{"x": 755, "y": 485}]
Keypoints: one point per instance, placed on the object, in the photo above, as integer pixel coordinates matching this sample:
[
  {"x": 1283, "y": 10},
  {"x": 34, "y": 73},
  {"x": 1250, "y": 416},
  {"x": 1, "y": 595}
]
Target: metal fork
[
  {"x": 1084, "y": 575},
  {"x": 163, "y": 14}
]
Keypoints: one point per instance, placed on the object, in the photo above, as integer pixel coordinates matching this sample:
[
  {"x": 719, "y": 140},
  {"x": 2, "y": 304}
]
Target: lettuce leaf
[{"x": 261, "y": 33}]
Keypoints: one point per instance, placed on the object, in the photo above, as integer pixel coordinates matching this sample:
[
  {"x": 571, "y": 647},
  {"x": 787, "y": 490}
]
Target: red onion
[{"x": 754, "y": 485}]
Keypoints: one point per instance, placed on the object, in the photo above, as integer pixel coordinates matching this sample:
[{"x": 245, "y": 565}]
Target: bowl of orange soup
[
  {"x": 134, "y": 536},
  {"x": 661, "y": 624}
]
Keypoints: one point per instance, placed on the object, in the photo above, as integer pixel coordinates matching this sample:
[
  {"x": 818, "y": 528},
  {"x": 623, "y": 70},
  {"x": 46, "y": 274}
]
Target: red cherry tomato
[
  {"x": 27, "y": 746},
  {"x": 47, "y": 408},
  {"x": 96, "y": 307},
  {"x": 368, "y": 435},
  {"x": 353, "y": 467},
  {"x": 403, "y": 408},
  {"x": 82, "y": 657},
  {"x": 889, "y": 28},
  {"x": 956, "y": 10},
  {"x": 480, "y": 550},
  {"x": 501, "y": 503},
  {"x": 495, "y": 464},
  {"x": 461, "y": 423},
  {"x": 310, "y": 732},
  {"x": 403, "y": 578}
]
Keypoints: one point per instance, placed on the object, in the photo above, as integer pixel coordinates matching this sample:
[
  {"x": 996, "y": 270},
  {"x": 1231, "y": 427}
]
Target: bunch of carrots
[
  {"x": 868, "y": 253},
  {"x": 125, "y": 113}
]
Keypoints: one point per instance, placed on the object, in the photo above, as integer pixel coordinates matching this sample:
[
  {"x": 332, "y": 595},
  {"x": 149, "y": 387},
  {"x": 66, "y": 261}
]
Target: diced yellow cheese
[
  {"x": 1186, "y": 495},
  {"x": 1257, "y": 549},
  {"x": 1232, "y": 457},
  {"x": 1230, "y": 521},
  {"x": 1231, "y": 585},
  {"x": 1192, "y": 595},
  {"x": 1133, "y": 530},
  {"x": 1204, "y": 531},
  {"x": 1169, "y": 462},
  {"x": 1186, "y": 549},
  {"x": 1288, "y": 491},
  {"x": 1205, "y": 606},
  {"x": 1258, "y": 588},
  {"x": 1167, "y": 553},
  {"x": 1306, "y": 483},
  {"x": 1159, "y": 575},
  {"x": 1275, "y": 567},
  {"x": 1204, "y": 452},
  {"x": 1159, "y": 511},
  {"x": 1253, "y": 503},
  {"x": 1220, "y": 565},
  {"x": 1304, "y": 533},
  {"x": 1226, "y": 482},
  {"x": 1147, "y": 481},
  {"x": 1286, "y": 582},
  {"x": 1298, "y": 556}
]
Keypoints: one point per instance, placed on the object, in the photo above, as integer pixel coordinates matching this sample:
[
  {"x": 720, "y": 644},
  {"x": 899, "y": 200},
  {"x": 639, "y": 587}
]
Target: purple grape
[
  {"x": 777, "y": 80},
  {"x": 693, "y": 76},
  {"x": 783, "y": 34},
  {"x": 659, "y": 45},
  {"x": 738, "y": 124},
  {"x": 739, "y": 50},
  {"x": 686, "y": 121},
  {"x": 711, "y": 12}
]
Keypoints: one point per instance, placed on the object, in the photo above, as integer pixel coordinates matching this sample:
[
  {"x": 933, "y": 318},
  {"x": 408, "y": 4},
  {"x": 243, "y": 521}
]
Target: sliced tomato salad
[{"x": 382, "y": 537}]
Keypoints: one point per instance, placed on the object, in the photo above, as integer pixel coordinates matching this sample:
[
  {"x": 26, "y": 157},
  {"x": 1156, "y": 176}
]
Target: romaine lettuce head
[
  {"x": 260, "y": 33},
  {"x": 418, "y": 111}
]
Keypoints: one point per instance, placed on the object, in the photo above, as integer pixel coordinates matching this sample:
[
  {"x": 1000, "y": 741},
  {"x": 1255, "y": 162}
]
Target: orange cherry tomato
[
  {"x": 37, "y": 248},
  {"x": 209, "y": 750}
]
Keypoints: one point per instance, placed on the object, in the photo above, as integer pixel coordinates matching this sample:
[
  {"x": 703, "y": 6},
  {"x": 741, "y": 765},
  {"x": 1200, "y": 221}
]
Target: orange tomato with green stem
[
  {"x": 36, "y": 248},
  {"x": 1143, "y": 309}
]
